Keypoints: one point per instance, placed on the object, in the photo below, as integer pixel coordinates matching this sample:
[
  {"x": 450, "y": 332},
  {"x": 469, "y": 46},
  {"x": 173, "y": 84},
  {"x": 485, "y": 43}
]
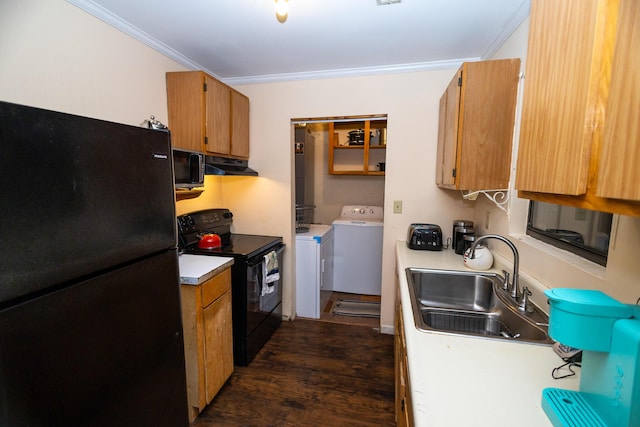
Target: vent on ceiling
[{"x": 385, "y": 2}]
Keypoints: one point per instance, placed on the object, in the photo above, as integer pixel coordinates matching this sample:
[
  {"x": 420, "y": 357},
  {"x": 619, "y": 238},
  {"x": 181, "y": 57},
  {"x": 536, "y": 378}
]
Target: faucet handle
[
  {"x": 505, "y": 285},
  {"x": 524, "y": 304}
]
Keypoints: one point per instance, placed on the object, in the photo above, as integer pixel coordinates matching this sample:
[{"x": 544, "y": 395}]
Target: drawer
[{"x": 213, "y": 288}]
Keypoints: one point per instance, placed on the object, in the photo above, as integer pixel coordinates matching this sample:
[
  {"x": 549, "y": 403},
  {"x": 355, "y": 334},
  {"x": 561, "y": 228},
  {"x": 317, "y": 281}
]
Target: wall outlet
[
  {"x": 397, "y": 206},
  {"x": 487, "y": 215}
]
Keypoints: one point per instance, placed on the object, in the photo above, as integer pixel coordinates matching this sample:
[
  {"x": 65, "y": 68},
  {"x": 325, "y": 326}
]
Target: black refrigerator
[{"x": 90, "y": 324}]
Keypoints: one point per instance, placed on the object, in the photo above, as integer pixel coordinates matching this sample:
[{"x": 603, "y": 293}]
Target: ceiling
[{"x": 241, "y": 41}]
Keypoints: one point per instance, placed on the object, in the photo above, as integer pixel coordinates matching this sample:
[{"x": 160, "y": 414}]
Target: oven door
[{"x": 261, "y": 305}]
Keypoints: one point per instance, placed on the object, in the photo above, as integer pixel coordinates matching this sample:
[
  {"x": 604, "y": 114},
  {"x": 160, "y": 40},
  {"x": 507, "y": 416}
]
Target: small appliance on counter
[
  {"x": 457, "y": 236},
  {"x": 482, "y": 259},
  {"x": 461, "y": 236},
  {"x": 424, "y": 237},
  {"x": 608, "y": 332}
]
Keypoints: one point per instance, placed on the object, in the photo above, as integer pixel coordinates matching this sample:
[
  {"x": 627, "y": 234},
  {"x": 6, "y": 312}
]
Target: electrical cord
[{"x": 569, "y": 365}]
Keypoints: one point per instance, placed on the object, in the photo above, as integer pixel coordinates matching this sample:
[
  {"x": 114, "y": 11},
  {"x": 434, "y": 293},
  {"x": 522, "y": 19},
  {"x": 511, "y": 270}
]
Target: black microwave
[{"x": 188, "y": 168}]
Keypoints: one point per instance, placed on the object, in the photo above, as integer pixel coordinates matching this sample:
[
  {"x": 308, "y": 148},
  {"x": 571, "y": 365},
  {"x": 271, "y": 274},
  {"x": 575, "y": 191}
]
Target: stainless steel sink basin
[
  {"x": 473, "y": 322},
  {"x": 451, "y": 289},
  {"x": 471, "y": 303}
]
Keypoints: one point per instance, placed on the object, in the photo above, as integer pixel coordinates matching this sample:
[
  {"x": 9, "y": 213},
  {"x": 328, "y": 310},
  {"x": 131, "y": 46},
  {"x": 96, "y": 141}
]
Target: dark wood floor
[
  {"x": 311, "y": 373},
  {"x": 327, "y": 299}
]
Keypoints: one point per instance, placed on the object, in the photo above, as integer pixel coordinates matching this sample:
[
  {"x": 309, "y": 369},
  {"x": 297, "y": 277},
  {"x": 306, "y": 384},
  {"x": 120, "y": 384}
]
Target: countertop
[
  {"x": 316, "y": 232},
  {"x": 469, "y": 381},
  {"x": 197, "y": 269}
]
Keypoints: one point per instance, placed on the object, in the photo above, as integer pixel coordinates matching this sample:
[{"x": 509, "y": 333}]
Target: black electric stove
[{"x": 256, "y": 313}]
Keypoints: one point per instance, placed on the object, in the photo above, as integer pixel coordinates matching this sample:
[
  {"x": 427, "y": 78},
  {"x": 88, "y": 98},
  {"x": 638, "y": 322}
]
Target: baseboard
[{"x": 387, "y": 329}]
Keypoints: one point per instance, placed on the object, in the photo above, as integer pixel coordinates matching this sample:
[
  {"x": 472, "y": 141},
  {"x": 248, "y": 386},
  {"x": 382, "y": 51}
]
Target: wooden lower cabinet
[
  {"x": 404, "y": 416},
  {"x": 208, "y": 339}
]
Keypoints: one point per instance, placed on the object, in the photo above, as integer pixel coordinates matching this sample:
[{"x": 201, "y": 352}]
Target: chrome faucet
[{"x": 516, "y": 260}]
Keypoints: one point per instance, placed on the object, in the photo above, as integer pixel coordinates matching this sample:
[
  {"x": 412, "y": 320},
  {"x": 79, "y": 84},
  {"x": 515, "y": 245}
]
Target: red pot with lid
[{"x": 209, "y": 241}]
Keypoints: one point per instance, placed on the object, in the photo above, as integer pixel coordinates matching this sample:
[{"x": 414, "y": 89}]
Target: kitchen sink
[
  {"x": 471, "y": 303},
  {"x": 452, "y": 289}
]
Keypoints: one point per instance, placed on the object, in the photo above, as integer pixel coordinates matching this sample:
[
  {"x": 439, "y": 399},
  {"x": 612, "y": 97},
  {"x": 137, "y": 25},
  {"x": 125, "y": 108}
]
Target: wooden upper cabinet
[
  {"x": 619, "y": 174},
  {"x": 579, "y": 140},
  {"x": 185, "y": 101},
  {"x": 206, "y": 115},
  {"x": 217, "y": 107},
  {"x": 448, "y": 132},
  {"x": 475, "y": 132},
  {"x": 239, "y": 125},
  {"x": 560, "y": 96}
]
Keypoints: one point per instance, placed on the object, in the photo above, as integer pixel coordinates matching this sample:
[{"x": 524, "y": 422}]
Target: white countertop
[
  {"x": 469, "y": 381},
  {"x": 316, "y": 231},
  {"x": 197, "y": 269}
]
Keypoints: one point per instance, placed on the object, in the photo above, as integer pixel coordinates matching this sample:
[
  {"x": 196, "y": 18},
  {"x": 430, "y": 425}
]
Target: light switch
[{"x": 397, "y": 206}]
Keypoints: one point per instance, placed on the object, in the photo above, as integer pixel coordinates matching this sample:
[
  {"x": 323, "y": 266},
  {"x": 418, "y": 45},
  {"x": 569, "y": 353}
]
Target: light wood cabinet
[
  {"x": 206, "y": 115},
  {"x": 239, "y": 125},
  {"x": 217, "y": 106},
  {"x": 208, "y": 339},
  {"x": 366, "y": 156},
  {"x": 580, "y": 137},
  {"x": 475, "y": 129},
  {"x": 404, "y": 416}
]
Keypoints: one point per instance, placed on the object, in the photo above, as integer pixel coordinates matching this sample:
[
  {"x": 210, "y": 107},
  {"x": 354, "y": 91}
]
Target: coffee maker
[{"x": 608, "y": 332}]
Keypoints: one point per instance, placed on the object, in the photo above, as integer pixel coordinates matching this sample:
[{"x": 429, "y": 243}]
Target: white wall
[
  {"x": 54, "y": 55},
  {"x": 411, "y": 102}
]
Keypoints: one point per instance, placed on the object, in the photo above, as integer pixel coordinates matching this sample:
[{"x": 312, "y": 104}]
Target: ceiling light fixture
[
  {"x": 282, "y": 10},
  {"x": 385, "y": 2}
]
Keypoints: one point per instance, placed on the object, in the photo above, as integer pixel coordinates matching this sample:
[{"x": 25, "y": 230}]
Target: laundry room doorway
[{"x": 332, "y": 170}]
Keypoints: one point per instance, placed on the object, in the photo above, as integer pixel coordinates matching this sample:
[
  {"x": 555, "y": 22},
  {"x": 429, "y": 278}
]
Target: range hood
[{"x": 222, "y": 166}]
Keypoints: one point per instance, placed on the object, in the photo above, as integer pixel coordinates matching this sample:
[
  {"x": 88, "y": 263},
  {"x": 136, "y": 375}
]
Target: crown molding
[{"x": 350, "y": 72}]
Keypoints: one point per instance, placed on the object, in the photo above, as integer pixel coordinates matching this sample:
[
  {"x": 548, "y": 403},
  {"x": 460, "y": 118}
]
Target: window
[{"x": 585, "y": 233}]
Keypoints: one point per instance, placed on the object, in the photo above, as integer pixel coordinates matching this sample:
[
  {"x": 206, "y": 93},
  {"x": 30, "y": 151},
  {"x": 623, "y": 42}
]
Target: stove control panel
[
  {"x": 205, "y": 220},
  {"x": 186, "y": 224}
]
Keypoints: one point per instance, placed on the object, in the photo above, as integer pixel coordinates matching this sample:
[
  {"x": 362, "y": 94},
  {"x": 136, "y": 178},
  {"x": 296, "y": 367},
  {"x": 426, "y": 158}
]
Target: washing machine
[{"x": 357, "y": 250}]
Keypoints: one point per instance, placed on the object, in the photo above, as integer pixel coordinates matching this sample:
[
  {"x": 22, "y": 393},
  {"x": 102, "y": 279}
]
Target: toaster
[{"x": 424, "y": 237}]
